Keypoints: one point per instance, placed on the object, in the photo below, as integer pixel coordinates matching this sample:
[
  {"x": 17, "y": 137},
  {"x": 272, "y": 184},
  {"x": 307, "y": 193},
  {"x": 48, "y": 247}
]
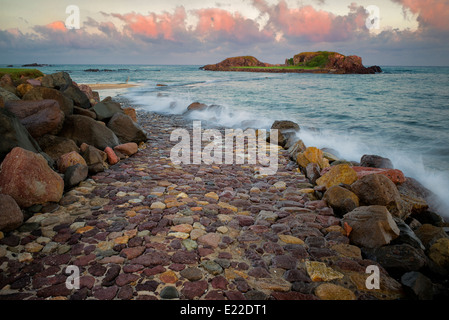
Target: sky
[{"x": 199, "y": 32}]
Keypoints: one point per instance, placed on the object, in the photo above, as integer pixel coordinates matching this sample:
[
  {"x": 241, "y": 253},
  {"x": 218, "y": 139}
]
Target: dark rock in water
[
  {"x": 398, "y": 259},
  {"x": 42, "y": 93},
  {"x": 39, "y": 117},
  {"x": 11, "y": 217},
  {"x": 285, "y": 125},
  {"x": 197, "y": 106},
  {"x": 55, "y": 146},
  {"x": 14, "y": 134},
  {"x": 374, "y": 161},
  {"x": 126, "y": 129},
  {"x": 83, "y": 129},
  {"x": 57, "y": 80},
  {"x": 74, "y": 175},
  {"x": 79, "y": 98},
  {"x": 107, "y": 109},
  {"x": 417, "y": 285}
]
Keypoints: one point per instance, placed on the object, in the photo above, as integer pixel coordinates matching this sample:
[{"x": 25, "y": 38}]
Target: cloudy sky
[{"x": 409, "y": 32}]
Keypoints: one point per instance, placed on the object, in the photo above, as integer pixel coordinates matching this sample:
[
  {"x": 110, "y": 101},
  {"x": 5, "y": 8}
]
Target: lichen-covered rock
[
  {"x": 312, "y": 155},
  {"x": 341, "y": 173},
  {"x": 330, "y": 291},
  {"x": 70, "y": 159}
]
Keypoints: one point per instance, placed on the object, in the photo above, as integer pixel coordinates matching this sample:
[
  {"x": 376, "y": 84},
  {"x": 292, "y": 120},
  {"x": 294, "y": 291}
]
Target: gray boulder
[
  {"x": 83, "y": 129},
  {"x": 126, "y": 129},
  {"x": 57, "y": 80}
]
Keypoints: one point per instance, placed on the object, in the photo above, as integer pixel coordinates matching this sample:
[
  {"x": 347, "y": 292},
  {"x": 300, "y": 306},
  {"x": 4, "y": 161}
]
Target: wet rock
[
  {"x": 374, "y": 161},
  {"x": 372, "y": 226}
]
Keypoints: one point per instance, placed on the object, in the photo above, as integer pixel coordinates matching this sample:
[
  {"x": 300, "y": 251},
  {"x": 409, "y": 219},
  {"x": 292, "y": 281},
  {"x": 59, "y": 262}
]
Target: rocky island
[{"x": 305, "y": 62}]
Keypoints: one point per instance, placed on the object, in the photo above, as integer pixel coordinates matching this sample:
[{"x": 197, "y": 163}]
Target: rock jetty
[{"x": 147, "y": 229}]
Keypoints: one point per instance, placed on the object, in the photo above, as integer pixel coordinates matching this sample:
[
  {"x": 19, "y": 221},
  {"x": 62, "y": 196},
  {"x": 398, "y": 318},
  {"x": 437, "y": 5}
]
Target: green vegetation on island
[{"x": 17, "y": 73}]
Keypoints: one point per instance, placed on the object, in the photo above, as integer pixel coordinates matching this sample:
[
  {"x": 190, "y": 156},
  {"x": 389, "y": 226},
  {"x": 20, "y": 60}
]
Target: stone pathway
[{"x": 147, "y": 229}]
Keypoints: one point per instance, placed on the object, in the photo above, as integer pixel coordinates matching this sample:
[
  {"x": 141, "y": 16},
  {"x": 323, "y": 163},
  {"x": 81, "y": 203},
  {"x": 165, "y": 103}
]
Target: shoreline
[
  {"x": 147, "y": 229},
  {"x": 107, "y": 86}
]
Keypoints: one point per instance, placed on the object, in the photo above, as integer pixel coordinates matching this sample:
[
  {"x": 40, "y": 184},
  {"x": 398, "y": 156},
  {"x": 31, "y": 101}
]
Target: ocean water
[{"x": 402, "y": 113}]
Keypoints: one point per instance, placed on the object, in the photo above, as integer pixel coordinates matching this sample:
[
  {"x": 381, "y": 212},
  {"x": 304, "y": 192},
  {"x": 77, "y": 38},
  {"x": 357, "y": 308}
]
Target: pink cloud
[
  {"x": 433, "y": 13},
  {"x": 57, "y": 26},
  {"x": 218, "y": 23},
  {"x": 153, "y": 25},
  {"x": 311, "y": 24}
]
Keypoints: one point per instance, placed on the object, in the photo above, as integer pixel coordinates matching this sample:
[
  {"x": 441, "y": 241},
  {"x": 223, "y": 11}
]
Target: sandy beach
[{"x": 107, "y": 86}]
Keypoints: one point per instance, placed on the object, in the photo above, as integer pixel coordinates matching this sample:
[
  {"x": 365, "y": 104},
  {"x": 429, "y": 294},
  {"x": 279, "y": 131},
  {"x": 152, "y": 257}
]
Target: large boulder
[
  {"x": 27, "y": 178},
  {"x": 372, "y": 226},
  {"x": 377, "y": 189},
  {"x": 14, "y": 134},
  {"x": 105, "y": 110},
  {"x": 57, "y": 80},
  {"x": 341, "y": 173},
  {"x": 312, "y": 155},
  {"x": 11, "y": 217},
  {"x": 395, "y": 175},
  {"x": 89, "y": 93},
  {"x": 341, "y": 200},
  {"x": 83, "y": 129},
  {"x": 286, "y": 132},
  {"x": 414, "y": 196},
  {"x": 79, "y": 98},
  {"x": 7, "y": 83},
  {"x": 374, "y": 161},
  {"x": 126, "y": 129},
  {"x": 56, "y": 146},
  {"x": 7, "y": 95},
  {"x": 398, "y": 259},
  {"x": 38, "y": 117},
  {"x": 43, "y": 93}
]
